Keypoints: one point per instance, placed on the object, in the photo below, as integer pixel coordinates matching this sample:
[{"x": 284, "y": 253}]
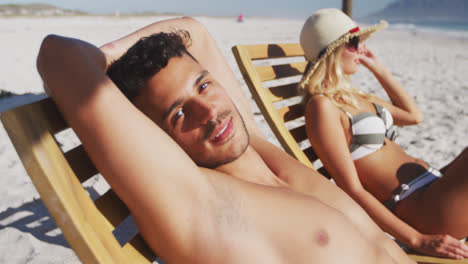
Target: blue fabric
[{"x": 405, "y": 190}]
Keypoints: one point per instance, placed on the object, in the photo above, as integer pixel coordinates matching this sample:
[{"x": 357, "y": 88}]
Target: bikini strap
[
  {"x": 380, "y": 112},
  {"x": 391, "y": 131},
  {"x": 348, "y": 114}
]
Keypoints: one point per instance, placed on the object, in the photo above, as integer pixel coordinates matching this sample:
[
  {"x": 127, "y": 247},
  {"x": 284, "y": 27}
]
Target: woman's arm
[
  {"x": 404, "y": 109},
  {"x": 326, "y": 134}
]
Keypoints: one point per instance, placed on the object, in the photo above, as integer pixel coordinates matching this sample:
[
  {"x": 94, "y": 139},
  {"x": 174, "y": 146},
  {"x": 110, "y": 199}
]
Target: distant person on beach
[
  {"x": 352, "y": 133},
  {"x": 203, "y": 185},
  {"x": 240, "y": 18}
]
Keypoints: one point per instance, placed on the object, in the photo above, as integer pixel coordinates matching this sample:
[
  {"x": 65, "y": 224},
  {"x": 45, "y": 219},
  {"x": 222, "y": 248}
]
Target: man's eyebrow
[
  {"x": 202, "y": 75},
  {"x": 179, "y": 101}
]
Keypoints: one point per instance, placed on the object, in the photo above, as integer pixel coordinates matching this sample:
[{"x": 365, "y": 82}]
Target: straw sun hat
[{"x": 325, "y": 31}]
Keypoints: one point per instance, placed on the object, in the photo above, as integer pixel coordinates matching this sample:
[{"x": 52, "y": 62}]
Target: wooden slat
[
  {"x": 81, "y": 164},
  {"x": 273, "y": 72},
  {"x": 112, "y": 207},
  {"x": 299, "y": 133},
  {"x": 292, "y": 112},
  {"x": 283, "y": 92},
  {"x": 270, "y": 51}
]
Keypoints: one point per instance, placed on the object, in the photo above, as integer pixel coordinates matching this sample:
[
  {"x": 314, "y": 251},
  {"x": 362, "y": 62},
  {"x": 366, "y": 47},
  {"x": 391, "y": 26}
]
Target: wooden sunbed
[
  {"x": 58, "y": 176},
  {"x": 272, "y": 73}
]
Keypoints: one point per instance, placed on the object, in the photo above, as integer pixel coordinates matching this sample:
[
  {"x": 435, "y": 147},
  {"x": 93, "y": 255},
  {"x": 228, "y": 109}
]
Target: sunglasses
[{"x": 353, "y": 44}]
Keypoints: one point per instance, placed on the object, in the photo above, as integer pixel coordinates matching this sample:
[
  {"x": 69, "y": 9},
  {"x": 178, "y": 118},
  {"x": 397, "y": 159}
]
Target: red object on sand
[{"x": 240, "y": 18}]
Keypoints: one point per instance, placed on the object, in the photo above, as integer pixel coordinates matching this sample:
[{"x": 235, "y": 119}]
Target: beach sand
[{"x": 432, "y": 67}]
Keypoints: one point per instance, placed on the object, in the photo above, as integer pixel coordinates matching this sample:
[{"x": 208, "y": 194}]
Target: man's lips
[{"x": 222, "y": 131}]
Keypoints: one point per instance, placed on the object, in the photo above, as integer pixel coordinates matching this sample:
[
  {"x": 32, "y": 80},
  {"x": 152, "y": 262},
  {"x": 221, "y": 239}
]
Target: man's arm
[
  {"x": 145, "y": 167},
  {"x": 203, "y": 47}
]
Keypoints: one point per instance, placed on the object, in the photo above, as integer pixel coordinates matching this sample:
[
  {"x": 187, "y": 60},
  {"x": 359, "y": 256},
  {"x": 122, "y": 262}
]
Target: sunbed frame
[{"x": 58, "y": 176}]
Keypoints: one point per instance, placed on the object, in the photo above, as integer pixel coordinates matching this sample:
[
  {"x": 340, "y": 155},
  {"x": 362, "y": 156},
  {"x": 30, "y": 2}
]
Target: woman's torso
[{"x": 385, "y": 169}]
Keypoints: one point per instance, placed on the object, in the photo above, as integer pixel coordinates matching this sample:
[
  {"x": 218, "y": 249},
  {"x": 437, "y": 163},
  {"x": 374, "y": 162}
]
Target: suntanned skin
[
  {"x": 263, "y": 207},
  {"x": 428, "y": 221}
]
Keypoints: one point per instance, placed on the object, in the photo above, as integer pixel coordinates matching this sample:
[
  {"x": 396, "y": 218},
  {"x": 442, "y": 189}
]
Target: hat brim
[{"x": 363, "y": 34}]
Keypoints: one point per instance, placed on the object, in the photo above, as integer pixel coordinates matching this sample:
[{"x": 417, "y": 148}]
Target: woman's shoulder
[{"x": 320, "y": 104}]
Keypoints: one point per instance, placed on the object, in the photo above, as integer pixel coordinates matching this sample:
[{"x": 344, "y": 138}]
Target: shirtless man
[{"x": 255, "y": 204}]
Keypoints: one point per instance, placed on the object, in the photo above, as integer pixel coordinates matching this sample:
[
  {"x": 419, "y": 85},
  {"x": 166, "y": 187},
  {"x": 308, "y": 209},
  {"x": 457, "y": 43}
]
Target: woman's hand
[
  {"x": 369, "y": 59},
  {"x": 403, "y": 108},
  {"x": 441, "y": 246}
]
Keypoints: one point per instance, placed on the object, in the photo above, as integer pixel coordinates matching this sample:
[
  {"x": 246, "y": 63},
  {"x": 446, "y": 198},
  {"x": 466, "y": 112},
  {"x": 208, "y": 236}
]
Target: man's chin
[
  {"x": 214, "y": 164},
  {"x": 231, "y": 157}
]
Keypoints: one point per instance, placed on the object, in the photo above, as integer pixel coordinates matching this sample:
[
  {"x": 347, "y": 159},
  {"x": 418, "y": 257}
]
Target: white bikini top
[{"x": 369, "y": 131}]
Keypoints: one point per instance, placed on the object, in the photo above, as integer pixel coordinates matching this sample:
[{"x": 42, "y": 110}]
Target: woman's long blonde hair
[{"x": 329, "y": 80}]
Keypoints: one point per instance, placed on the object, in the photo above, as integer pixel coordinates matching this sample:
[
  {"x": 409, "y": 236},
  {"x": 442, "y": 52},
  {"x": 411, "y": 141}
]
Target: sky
[{"x": 276, "y": 8}]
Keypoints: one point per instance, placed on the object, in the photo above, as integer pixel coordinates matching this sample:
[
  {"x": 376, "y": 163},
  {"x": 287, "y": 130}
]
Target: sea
[{"x": 454, "y": 29}]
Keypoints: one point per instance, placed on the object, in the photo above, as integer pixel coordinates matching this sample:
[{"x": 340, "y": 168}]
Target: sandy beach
[{"x": 432, "y": 67}]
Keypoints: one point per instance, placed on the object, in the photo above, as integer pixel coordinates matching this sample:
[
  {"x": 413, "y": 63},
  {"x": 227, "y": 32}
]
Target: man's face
[{"x": 194, "y": 109}]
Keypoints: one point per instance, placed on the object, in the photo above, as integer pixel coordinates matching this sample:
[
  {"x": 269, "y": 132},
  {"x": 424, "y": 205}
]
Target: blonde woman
[{"x": 352, "y": 133}]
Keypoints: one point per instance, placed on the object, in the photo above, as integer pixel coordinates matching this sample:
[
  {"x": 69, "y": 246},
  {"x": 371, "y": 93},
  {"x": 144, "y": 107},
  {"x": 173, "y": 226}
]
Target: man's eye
[
  {"x": 203, "y": 86},
  {"x": 177, "y": 115}
]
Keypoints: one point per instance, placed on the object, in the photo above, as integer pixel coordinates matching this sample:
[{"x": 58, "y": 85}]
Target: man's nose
[{"x": 200, "y": 110}]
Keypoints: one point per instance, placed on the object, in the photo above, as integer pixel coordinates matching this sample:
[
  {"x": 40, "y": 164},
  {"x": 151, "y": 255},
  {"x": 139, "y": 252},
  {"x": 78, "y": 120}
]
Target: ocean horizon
[
  {"x": 453, "y": 29},
  {"x": 459, "y": 30}
]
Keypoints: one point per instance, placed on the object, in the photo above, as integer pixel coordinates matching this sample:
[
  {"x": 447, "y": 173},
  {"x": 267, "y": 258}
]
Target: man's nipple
[{"x": 322, "y": 238}]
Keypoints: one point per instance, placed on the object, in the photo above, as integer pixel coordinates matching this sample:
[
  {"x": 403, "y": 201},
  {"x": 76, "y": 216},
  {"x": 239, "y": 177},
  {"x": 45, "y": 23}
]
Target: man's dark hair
[{"x": 146, "y": 58}]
